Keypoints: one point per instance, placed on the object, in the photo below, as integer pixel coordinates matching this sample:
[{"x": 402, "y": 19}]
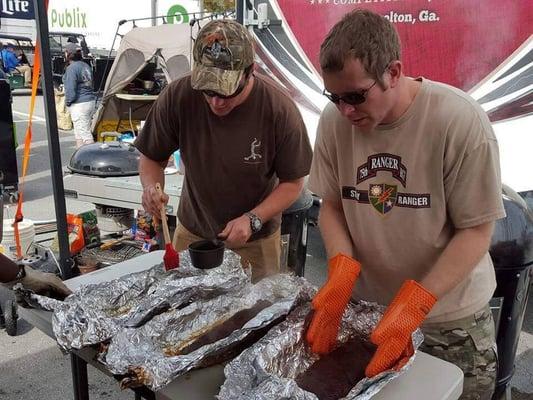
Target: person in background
[
  {"x": 79, "y": 94},
  {"x": 43, "y": 283},
  {"x": 11, "y": 62},
  {"x": 82, "y": 44},
  {"x": 2, "y": 66},
  {"x": 242, "y": 141},
  {"x": 408, "y": 171}
]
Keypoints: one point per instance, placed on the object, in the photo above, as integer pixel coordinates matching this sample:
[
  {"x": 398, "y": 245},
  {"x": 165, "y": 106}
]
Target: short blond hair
[{"x": 363, "y": 35}]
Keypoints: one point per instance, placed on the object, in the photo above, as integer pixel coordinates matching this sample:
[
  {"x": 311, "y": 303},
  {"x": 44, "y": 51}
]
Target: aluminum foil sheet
[
  {"x": 153, "y": 354},
  {"x": 95, "y": 313},
  {"x": 267, "y": 370}
]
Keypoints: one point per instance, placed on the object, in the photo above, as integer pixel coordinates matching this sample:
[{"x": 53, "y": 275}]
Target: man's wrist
[{"x": 255, "y": 221}]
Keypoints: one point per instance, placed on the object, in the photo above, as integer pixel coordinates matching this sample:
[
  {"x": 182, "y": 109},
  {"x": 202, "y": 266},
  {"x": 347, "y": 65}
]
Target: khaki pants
[
  {"x": 81, "y": 114},
  {"x": 262, "y": 254},
  {"x": 26, "y": 70},
  {"x": 469, "y": 343}
]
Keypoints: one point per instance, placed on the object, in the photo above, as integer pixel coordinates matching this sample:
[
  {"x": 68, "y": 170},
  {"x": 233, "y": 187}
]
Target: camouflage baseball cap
[{"x": 222, "y": 51}]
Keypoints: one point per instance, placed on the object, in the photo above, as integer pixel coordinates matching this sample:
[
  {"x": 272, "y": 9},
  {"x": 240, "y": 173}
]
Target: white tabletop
[{"x": 428, "y": 378}]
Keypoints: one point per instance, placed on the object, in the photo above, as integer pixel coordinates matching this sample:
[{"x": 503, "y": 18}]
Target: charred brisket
[
  {"x": 223, "y": 330},
  {"x": 335, "y": 374}
]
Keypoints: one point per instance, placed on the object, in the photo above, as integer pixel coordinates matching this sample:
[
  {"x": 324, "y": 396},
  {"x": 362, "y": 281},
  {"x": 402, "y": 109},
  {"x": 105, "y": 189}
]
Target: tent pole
[
  {"x": 239, "y": 10},
  {"x": 54, "y": 150},
  {"x": 154, "y": 12}
]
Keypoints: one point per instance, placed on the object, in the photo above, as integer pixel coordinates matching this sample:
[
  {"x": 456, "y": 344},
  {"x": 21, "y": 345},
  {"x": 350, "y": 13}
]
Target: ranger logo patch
[{"x": 382, "y": 197}]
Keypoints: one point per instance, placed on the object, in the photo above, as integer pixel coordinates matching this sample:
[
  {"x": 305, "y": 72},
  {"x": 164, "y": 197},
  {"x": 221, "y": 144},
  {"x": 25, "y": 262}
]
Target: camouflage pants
[{"x": 470, "y": 344}]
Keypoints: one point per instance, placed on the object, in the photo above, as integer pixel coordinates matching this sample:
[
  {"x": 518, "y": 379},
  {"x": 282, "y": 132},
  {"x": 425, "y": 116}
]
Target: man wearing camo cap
[{"x": 243, "y": 144}]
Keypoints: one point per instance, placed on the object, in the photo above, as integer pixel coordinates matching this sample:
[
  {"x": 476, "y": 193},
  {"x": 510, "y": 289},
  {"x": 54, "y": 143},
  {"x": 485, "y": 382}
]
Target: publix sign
[
  {"x": 78, "y": 17},
  {"x": 68, "y": 18},
  {"x": 177, "y": 14},
  {"x": 98, "y": 19}
]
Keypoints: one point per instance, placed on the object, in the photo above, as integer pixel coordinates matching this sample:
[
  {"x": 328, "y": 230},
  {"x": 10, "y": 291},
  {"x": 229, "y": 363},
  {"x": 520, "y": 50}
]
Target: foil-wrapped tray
[
  {"x": 268, "y": 370},
  {"x": 95, "y": 313},
  {"x": 204, "y": 333}
]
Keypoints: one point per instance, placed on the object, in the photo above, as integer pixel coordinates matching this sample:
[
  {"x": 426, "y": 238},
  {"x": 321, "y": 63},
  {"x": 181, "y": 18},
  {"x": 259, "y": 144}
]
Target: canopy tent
[{"x": 170, "y": 45}]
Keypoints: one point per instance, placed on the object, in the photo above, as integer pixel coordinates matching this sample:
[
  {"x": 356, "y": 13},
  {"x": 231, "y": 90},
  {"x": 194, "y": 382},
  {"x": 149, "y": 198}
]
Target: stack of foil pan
[
  {"x": 151, "y": 321},
  {"x": 163, "y": 349},
  {"x": 95, "y": 313}
]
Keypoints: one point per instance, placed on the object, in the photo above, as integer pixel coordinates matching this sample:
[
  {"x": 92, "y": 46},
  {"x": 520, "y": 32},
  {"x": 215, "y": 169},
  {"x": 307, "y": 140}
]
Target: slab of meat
[
  {"x": 224, "y": 329},
  {"x": 335, "y": 374}
]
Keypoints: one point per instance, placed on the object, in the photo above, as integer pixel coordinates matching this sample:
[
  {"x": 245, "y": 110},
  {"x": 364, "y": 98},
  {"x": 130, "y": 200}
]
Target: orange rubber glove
[
  {"x": 330, "y": 302},
  {"x": 392, "y": 335}
]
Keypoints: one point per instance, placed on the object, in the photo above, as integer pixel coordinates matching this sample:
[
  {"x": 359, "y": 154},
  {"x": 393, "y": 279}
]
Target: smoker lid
[
  {"x": 106, "y": 159},
  {"x": 512, "y": 240}
]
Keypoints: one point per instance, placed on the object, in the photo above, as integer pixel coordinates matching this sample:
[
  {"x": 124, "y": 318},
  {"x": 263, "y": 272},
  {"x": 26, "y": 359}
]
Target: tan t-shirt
[
  {"x": 232, "y": 163},
  {"x": 406, "y": 186}
]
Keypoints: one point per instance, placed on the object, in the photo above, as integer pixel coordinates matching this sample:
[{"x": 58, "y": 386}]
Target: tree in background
[{"x": 217, "y": 6}]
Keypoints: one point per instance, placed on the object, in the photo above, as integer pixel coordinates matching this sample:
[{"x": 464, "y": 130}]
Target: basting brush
[{"x": 171, "y": 258}]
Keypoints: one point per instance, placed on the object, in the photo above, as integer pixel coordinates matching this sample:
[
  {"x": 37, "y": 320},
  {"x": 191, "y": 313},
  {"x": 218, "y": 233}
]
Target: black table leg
[
  {"x": 79, "y": 377},
  {"x": 143, "y": 393}
]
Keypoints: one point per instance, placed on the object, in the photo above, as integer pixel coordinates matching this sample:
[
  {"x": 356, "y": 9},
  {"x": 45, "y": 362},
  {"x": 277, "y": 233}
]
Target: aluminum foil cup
[{"x": 207, "y": 254}]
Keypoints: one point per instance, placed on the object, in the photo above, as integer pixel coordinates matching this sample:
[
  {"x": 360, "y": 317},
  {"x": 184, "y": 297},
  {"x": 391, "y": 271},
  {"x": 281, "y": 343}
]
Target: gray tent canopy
[{"x": 170, "y": 45}]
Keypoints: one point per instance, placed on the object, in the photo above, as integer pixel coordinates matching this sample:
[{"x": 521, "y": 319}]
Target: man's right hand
[
  {"x": 330, "y": 303},
  {"x": 42, "y": 283},
  {"x": 152, "y": 200},
  {"x": 393, "y": 333}
]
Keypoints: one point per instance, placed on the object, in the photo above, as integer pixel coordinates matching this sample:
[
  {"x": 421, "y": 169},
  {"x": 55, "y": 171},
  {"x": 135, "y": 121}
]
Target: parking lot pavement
[{"x": 32, "y": 367}]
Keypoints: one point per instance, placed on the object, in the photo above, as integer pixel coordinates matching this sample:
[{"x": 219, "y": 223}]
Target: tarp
[{"x": 170, "y": 44}]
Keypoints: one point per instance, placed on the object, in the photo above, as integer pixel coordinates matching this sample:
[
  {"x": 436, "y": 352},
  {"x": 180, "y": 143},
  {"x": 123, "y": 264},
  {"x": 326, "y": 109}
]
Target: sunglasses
[
  {"x": 240, "y": 88},
  {"x": 352, "y": 98}
]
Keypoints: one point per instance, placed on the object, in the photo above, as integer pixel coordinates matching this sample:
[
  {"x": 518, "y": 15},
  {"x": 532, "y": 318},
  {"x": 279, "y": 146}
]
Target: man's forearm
[
  {"x": 459, "y": 258},
  {"x": 334, "y": 230},
  {"x": 151, "y": 172},
  {"x": 280, "y": 199}
]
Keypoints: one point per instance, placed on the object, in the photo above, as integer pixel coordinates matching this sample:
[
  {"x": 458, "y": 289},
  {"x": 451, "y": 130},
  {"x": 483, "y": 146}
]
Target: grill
[
  {"x": 512, "y": 254},
  {"x": 106, "y": 159}
]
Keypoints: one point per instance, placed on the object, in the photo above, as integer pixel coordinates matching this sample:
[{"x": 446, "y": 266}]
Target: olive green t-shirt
[
  {"x": 232, "y": 163},
  {"x": 405, "y": 188}
]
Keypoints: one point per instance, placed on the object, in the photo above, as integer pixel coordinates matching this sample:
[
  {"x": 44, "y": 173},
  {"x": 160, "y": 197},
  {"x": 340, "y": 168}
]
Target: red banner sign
[{"x": 454, "y": 41}]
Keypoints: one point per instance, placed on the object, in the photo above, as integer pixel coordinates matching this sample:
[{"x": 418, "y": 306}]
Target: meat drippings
[
  {"x": 335, "y": 374},
  {"x": 222, "y": 330}
]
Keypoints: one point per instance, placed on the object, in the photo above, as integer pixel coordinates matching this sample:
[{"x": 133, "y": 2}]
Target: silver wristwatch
[{"x": 255, "y": 222}]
